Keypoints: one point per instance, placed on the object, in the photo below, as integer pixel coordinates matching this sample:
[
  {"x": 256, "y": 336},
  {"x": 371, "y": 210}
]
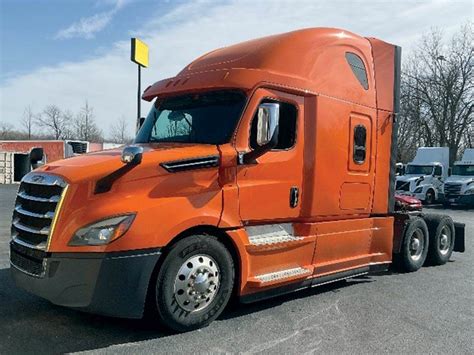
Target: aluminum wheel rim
[
  {"x": 417, "y": 244},
  {"x": 197, "y": 283},
  {"x": 445, "y": 240}
]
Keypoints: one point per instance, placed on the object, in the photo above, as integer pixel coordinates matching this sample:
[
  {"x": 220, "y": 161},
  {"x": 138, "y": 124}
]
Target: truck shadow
[{"x": 29, "y": 324}]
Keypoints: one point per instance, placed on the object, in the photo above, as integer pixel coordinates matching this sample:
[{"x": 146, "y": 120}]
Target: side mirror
[
  {"x": 268, "y": 117},
  {"x": 36, "y": 157},
  {"x": 132, "y": 154}
]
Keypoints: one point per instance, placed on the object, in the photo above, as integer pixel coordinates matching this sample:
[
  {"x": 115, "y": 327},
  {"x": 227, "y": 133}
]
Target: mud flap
[{"x": 459, "y": 237}]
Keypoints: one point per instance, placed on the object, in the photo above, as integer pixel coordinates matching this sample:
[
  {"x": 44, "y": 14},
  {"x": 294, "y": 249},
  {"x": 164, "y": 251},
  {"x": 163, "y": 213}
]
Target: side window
[
  {"x": 358, "y": 68},
  {"x": 360, "y": 142},
  {"x": 438, "y": 171},
  {"x": 287, "y": 127}
]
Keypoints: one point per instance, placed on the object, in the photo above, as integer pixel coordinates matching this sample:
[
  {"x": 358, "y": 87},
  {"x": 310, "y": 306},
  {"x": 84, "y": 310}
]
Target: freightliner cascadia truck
[
  {"x": 262, "y": 168},
  {"x": 425, "y": 176},
  {"x": 459, "y": 187}
]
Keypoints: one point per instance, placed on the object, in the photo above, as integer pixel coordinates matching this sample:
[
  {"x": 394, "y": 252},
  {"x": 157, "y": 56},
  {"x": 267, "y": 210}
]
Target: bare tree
[
  {"x": 54, "y": 121},
  {"x": 84, "y": 126},
  {"x": 438, "y": 97},
  {"x": 27, "y": 120},
  {"x": 119, "y": 132},
  {"x": 6, "y": 130}
]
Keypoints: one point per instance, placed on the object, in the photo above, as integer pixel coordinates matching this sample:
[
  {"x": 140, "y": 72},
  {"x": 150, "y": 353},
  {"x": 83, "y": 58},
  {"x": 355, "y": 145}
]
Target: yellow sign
[{"x": 139, "y": 52}]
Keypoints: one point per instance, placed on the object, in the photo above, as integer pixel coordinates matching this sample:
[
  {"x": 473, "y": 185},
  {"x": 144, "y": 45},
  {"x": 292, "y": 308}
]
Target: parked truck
[
  {"x": 425, "y": 176},
  {"x": 459, "y": 187},
  {"x": 262, "y": 168}
]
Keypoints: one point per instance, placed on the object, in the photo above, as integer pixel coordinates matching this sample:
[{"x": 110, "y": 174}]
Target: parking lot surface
[{"x": 430, "y": 311}]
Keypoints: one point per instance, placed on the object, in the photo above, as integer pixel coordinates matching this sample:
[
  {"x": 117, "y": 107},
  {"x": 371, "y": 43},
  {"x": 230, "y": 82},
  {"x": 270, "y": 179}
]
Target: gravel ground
[{"x": 430, "y": 311}]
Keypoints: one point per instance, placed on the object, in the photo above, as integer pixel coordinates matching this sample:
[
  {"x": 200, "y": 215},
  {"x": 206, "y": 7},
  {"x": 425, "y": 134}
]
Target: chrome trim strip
[
  {"x": 192, "y": 163},
  {"x": 43, "y": 179},
  {"x": 20, "y": 210},
  {"x": 182, "y": 165},
  {"x": 43, "y": 231},
  {"x": 56, "y": 215},
  {"x": 53, "y": 199}
]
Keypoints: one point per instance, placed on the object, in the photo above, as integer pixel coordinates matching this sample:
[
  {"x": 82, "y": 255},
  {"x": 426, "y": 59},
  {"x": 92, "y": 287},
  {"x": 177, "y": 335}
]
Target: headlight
[
  {"x": 102, "y": 232},
  {"x": 470, "y": 191},
  {"x": 418, "y": 190}
]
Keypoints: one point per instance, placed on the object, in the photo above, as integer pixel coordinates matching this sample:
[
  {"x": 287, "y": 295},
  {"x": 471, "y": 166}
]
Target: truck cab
[
  {"x": 425, "y": 176},
  {"x": 459, "y": 187},
  {"x": 261, "y": 168}
]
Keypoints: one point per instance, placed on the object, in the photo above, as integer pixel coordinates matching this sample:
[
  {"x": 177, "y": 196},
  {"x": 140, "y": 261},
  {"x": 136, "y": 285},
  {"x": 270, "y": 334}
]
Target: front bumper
[
  {"x": 112, "y": 284},
  {"x": 461, "y": 199}
]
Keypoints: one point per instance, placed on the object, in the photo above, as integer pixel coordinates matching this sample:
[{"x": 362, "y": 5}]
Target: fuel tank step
[{"x": 280, "y": 276}]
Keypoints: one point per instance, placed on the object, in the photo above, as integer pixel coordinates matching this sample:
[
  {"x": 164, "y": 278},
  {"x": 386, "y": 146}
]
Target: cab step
[
  {"x": 272, "y": 239},
  {"x": 280, "y": 276},
  {"x": 273, "y": 236}
]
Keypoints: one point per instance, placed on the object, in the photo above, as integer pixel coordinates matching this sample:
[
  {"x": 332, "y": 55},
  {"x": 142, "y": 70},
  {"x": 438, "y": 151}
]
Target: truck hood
[
  {"x": 94, "y": 166},
  {"x": 458, "y": 179}
]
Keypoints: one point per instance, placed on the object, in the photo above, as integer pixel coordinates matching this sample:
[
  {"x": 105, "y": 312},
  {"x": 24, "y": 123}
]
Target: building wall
[{"x": 54, "y": 150}]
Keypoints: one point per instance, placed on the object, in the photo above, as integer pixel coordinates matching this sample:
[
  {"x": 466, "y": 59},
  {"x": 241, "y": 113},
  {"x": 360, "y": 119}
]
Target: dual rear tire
[{"x": 426, "y": 240}]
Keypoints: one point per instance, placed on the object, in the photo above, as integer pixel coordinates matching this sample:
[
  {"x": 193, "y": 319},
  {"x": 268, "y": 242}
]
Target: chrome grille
[
  {"x": 30, "y": 261},
  {"x": 35, "y": 208},
  {"x": 452, "y": 189},
  {"x": 403, "y": 186}
]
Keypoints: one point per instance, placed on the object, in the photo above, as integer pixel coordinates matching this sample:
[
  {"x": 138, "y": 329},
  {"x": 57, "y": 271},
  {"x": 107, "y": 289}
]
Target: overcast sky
[{"x": 66, "y": 52}]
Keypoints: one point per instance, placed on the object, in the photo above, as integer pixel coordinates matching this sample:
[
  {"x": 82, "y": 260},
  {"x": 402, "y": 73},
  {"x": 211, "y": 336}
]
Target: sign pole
[
  {"x": 139, "y": 93},
  {"x": 139, "y": 55}
]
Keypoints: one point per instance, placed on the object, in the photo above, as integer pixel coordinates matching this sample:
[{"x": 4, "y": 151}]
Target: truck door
[{"x": 270, "y": 190}]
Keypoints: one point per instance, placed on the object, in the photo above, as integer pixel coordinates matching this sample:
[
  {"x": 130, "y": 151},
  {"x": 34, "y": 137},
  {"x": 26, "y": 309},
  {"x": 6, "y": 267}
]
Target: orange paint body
[{"x": 342, "y": 219}]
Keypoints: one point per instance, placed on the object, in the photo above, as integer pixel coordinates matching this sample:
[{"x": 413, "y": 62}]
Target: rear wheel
[
  {"x": 441, "y": 229},
  {"x": 194, "y": 283},
  {"x": 414, "y": 246}
]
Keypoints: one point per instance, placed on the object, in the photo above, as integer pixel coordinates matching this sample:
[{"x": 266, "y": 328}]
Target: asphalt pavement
[{"x": 429, "y": 311}]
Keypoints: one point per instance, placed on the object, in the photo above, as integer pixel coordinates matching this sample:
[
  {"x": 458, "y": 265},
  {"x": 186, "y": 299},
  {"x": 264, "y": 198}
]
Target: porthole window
[
  {"x": 358, "y": 68},
  {"x": 360, "y": 139}
]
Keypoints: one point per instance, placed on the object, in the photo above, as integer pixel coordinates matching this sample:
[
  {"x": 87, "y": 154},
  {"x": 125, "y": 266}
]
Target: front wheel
[
  {"x": 194, "y": 283},
  {"x": 430, "y": 197}
]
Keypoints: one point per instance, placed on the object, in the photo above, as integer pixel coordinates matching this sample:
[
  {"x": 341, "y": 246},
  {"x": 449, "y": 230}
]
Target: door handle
[{"x": 294, "y": 196}]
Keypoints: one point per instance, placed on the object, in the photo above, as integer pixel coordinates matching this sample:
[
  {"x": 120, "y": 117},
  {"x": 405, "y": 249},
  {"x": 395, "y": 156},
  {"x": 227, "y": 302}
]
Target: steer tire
[
  {"x": 413, "y": 253},
  {"x": 197, "y": 266},
  {"x": 430, "y": 197},
  {"x": 442, "y": 236}
]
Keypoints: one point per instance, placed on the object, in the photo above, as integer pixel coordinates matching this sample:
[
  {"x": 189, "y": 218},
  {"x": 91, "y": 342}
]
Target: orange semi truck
[{"x": 262, "y": 168}]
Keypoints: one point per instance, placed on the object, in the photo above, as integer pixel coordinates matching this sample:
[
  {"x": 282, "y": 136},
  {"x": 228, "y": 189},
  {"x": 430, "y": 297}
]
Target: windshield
[
  {"x": 419, "y": 169},
  {"x": 464, "y": 170},
  {"x": 208, "y": 118}
]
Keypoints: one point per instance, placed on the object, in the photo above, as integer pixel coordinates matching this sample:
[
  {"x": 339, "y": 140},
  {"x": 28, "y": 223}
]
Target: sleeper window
[
  {"x": 287, "y": 126},
  {"x": 358, "y": 68}
]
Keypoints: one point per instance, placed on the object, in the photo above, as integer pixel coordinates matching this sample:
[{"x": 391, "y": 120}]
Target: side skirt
[{"x": 317, "y": 281}]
